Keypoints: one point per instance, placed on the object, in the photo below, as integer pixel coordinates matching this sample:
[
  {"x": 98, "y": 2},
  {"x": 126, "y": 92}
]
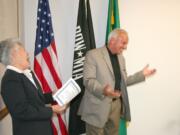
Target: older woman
[{"x": 22, "y": 93}]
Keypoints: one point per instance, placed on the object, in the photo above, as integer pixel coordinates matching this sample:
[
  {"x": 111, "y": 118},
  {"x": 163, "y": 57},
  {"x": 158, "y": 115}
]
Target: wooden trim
[{"x": 3, "y": 113}]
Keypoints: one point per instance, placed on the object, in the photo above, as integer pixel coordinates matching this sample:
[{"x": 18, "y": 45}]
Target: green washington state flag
[{"x": 112, "y": 23}]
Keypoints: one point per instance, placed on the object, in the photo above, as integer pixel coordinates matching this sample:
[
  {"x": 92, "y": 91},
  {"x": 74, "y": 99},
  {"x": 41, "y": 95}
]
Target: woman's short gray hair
[
  {"x": 5, "y": 49},
  {"x": 116, "y": 32}
]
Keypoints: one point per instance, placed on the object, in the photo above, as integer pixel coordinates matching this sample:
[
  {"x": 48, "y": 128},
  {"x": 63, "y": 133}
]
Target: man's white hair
[{"x": 115, "y": 33}]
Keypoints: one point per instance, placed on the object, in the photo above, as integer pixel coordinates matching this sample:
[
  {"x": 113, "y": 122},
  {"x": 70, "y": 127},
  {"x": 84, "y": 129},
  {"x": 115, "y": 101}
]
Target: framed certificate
[{"x": 67, "y": 92}]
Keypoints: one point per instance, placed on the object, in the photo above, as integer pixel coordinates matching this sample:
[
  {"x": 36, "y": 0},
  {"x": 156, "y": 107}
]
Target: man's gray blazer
[{"x": 98, "y": 72}]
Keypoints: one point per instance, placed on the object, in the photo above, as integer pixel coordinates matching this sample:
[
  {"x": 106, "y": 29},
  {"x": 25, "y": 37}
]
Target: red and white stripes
[{"x": 46, "y": 68}]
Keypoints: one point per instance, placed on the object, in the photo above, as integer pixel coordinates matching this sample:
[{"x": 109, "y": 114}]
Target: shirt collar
[{"x": 14, "y": 69}]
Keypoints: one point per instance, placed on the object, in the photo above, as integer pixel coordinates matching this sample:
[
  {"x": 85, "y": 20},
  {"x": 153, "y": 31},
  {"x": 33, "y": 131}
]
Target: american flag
[{"x": 46, "y": 61}]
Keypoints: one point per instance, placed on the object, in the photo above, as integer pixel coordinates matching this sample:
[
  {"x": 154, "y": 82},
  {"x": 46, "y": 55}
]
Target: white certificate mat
[{"x": 67, "y": 92}]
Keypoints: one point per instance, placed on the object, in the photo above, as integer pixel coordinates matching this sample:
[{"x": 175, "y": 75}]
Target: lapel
[
  {"x": 36, "y": 81},
  {"x": 37, "y": 84},
  {"x": 37, "y": 87},
  {"x": 122, "y": 64},
  {"x": 107, "y": 59}
]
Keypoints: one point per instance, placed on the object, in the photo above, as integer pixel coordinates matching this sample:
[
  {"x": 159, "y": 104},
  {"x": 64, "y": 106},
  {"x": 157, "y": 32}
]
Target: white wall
[
  {"x": 154, "y": 30},
  {"x": 8, "y": 19}
]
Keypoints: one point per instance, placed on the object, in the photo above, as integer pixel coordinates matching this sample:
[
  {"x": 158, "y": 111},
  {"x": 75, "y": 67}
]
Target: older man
[
  {"x": 22, "y": 93},
  {"x": 105, "y": 79}
]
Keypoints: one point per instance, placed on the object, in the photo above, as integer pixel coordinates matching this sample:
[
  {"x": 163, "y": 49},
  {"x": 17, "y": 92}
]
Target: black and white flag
[{"x": 84, "y": 41}]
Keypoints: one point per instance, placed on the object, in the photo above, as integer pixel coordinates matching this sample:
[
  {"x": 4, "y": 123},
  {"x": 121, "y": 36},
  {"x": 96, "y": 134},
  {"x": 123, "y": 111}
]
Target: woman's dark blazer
[{"x": 26, "y": 105}]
